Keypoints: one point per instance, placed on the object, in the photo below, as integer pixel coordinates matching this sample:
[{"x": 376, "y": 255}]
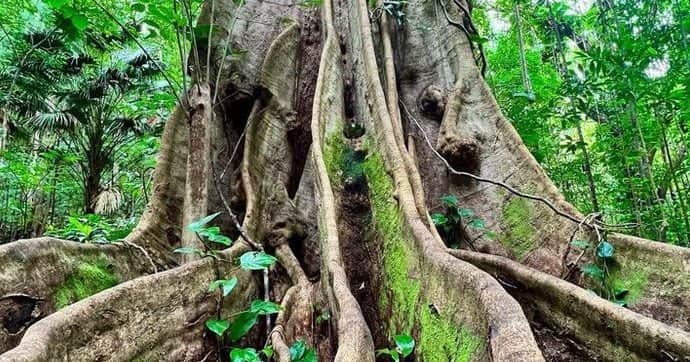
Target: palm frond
[
  {"x": 56, "y": 120},
  {"x": 45, "y": 40},
  {"x": 108, "y": 201},
  {"x": 76, "y": 63}
]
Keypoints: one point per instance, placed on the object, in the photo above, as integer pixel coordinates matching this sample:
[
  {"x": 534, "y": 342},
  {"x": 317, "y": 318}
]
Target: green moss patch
[
  {"x": 438, "y": 339},
  {"x": 396, "y": 257},
  {"x": 333, "y": 154},
  {"x": 443, "y": 341},
  {"x": 88, "y": 279},
  {"x": 520, "y": 233}
]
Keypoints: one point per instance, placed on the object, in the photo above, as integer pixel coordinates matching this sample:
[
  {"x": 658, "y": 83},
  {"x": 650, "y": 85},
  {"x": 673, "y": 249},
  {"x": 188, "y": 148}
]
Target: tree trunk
[
  {"x": 335, "y": 175},
  {"x": 92, "y": 188}
]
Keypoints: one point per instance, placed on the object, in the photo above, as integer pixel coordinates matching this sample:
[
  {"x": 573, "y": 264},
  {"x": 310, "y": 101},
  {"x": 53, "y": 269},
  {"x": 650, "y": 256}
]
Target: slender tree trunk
[
  {"x": 4, "y": 130},
  {"x": 588, "y": 168}
]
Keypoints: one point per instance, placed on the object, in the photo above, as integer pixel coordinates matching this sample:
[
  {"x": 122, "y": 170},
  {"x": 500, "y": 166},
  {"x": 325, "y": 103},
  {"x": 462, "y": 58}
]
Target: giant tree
[{"x": 327, "y": 137}]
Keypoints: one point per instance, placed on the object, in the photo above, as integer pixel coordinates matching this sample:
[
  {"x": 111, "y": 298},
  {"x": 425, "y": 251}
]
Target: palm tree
[{"x": 87, "y": 111}]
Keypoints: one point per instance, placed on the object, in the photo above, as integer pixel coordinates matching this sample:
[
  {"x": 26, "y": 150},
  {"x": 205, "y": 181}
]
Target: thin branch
[
  {"x": 481, "y": 62},
  {"x": 233, "y": 216},
  {"x": 548, "y": 203},
  {"x": 595, "y": 225}
]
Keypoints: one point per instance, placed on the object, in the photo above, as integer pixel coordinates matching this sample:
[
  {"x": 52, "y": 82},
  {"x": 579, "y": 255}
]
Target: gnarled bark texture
[{"x": 322, "y": 145}]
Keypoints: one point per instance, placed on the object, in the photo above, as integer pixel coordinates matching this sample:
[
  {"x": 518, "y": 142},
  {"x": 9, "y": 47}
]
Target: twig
[
  {"x": 593, "y": 224},
  {"x": 21, "y": 295},
  {"x": 481, "y": 62},
  {"x": 564, "y": 259},
  {"x": 233, "y": 216},
  {"x": 483, "y": 179},
  {"x": 252, "y": 244},
  {"x": 234, "y": 150},
  {"x": 577, "y": 260}
]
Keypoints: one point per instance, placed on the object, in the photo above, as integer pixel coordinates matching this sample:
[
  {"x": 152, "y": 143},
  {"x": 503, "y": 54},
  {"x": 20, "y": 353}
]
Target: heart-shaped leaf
[
  {"x": 226, "y": 285},
  {"x": 404, "y": 344},
  {"x": 218, "y": 326},
  {"x": 605, "y": 250},
  {"x": 262, "y": 307},
  {"x": 256, "y": 260},
  {"x": 297, "y": 350},
  {"x": 439, "y": 219},
  {"x": 200, "y": 224},
  {"x": 593, "y": 271},
  {"x": 241, "y": 325},
  {"x": 244, "y": 355}
]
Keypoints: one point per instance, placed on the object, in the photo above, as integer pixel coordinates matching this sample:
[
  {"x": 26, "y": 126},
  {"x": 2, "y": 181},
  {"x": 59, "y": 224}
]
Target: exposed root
[
  {"x": 280, "y": 347},
  {"x": 159, "y": 228},
  {"x": 444, "y": 282},
  {"x": 288, "y": 260},
  {"x": 146, "y": 318},
  {"x": 606, "y": 329},
  {"x": 354, "y": 338},
  {"x": 394, "y": 111},
  {"x": 41, "y": 267},
  {"x": 143, "y": 251}
]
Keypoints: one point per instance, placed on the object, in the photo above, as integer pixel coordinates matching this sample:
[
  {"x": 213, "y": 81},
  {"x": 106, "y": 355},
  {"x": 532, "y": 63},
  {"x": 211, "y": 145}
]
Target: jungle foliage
[{"x": 596, "y": 89}]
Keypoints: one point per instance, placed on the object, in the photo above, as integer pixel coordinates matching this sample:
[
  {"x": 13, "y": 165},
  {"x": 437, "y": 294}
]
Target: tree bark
[{"x": 350, "y": 225}]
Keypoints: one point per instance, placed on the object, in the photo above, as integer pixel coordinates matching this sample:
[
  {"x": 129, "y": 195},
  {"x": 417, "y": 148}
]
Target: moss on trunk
[{"x": 89, "y": 278}]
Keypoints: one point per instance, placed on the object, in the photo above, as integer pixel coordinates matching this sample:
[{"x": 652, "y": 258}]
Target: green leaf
[
  {"x": 439, "y": 219},
  {"x": 389, "y": 352},
  {"x": 226, "y": 285},
  {"x": 404, "y": 343},
  {"x": 200, "y": 224},
  {"x": 593, "y": 271},
  {"x": 309, "y": 356},
  {"x": 621, "y": 293},
  {"x": 268, "y": 351},
  {"x": 605, "y": 250},
  {"x": 241, "y": 325},
  {"x": 213, "y": 234},
  {"x": 581, "y": 244},
  {"x": 80, "y": 21},
  {"x": 465, "y": 213},
  {"x": 450, "y": 200},
  {"x": 297, "y": 350},
  {"x": 477, "y": 224},
  {"x": 218, "y": 326},
  {"x": 262, "y": 307},
  {"x": 244, "y": 355},
  {"x": 324, "y": 316},
  {"x": 256, "y": 260}
]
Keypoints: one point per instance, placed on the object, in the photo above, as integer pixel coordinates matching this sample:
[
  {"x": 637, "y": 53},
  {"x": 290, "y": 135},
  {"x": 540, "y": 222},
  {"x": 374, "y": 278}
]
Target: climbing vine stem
[{"x": 594, "y": 224}]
